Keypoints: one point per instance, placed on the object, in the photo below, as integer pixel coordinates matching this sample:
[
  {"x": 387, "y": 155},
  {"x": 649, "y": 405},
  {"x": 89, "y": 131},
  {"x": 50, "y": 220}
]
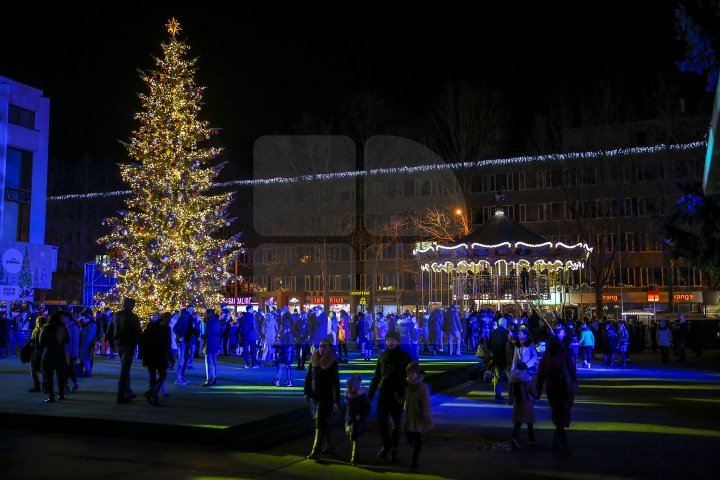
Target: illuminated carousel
[{"x": 500, "y": 263}]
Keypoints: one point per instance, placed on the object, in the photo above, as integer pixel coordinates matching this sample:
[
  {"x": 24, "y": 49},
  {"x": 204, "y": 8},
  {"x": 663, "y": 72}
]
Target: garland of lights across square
[{"x": 501, "y": 261}]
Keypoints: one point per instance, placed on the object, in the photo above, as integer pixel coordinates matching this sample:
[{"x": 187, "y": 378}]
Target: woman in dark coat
[
  {"x": 53, "y": 340},
  {"x": 156, "y": 354},
  {"x": 36, "y": 354},
  {"x": 322, "y": 387},
  {"x": 549, "y": 373}
]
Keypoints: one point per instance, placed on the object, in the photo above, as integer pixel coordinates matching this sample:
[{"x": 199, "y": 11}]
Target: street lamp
[{"x": 465, "y": 221}]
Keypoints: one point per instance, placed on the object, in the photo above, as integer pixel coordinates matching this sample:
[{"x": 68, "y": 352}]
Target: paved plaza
[{"x": 645, "y": 421}]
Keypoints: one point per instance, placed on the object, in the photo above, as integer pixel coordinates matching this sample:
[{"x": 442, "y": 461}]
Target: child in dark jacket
[{"x": 357, "y": 408}]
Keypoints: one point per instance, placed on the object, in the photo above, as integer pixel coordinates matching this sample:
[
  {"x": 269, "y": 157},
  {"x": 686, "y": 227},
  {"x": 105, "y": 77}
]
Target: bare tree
[{"x": 438, "y": 224}]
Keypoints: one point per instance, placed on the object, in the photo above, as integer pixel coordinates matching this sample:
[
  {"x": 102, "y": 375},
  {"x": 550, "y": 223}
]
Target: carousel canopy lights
[{"x": 502, "y": 241}]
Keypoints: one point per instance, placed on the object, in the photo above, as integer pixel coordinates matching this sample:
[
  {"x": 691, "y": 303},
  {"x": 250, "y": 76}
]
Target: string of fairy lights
[{"x": 427, "y": 168}]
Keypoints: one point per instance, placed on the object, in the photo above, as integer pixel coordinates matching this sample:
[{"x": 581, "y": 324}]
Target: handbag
[{"x": 571, "y": 386}]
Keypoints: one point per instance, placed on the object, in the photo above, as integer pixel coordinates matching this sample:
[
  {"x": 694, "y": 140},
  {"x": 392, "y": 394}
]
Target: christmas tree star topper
[{"x": 173, "y": 27}]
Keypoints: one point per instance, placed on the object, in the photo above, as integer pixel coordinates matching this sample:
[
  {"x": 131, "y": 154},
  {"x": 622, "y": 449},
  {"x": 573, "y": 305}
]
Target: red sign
[
  {"x": 331, "y": 300},
  {"x": 653, "y": 296},
  {"x": 684, "y": 297}
]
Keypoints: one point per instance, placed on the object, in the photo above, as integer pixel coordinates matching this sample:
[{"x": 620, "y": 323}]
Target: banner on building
[{"x": 25, "y": 267}]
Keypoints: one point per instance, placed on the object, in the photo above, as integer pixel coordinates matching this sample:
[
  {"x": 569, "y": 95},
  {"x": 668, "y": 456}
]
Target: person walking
[
  {"x": 283, "y": 346},
  {"x": 246, "y": 332},
  {"x": 357, "y": 409},
  {"x": 522, "y": 393},
  {"x": 343, "y": 336},
  {"x": 435, "y": 330},
  {"x": 302, "y": 340},
  {"x": 406, "y": 331},
  {"x": 455, "y": 331},
  {"x": 212, "y": 338},
  {"x": 73, "y": 348},
  {"x": 36, "y": 355},
  {"x": 53, "y": 340},
  {"x": 322, "y": 388},
  {"x": 88, "y": 335},
  {"x": 418, "y": 417},
  {"x": 389, "y": 380},
  {"x": 587, "y": 343},
  {"x": 125, "y": 335},
  {"x": 270, "y": 333},
  {"x": 554, "y": 368},
  {"x": 156, "y": 354},
  {"x": 498, "y": 346},
  {"x": 184, "y": 335},
  {"x": 623, "y": 338},
  {"x": 664, "y": 340}
]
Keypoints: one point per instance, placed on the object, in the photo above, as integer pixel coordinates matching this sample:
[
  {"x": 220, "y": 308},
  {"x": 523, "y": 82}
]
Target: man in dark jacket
[
  {"x": 390, "y": 380},
  {"x": 125, "y": 336},
  {"x": 498, "y": 345},
  {"x": 436, "y": 323},
  {"x": 302, "y": 340},
  {"x": 246, "y": 331},
  {"x": 184, "y": 337}
]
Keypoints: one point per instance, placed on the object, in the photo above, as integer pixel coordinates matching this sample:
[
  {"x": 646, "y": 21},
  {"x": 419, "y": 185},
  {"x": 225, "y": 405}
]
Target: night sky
[{"x": 264, "y": 67}]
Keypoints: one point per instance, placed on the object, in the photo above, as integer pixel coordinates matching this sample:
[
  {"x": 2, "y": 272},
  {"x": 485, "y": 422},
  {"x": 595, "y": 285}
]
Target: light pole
[{"x": 464, "y": 219}]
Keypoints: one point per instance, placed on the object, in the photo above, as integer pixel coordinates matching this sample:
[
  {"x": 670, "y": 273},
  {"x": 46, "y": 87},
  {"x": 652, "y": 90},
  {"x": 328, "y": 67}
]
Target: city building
[
  {"x": 610, "y": 200},
  {"x": 27, "y": 263}
]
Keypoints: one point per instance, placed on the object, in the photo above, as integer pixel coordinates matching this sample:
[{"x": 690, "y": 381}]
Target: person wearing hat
[{"x": 389, "y": 380}]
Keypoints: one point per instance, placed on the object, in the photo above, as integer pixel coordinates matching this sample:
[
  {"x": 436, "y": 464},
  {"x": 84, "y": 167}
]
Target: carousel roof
[
  {"x": 501, "y": 240},
  {"x": 501, "y": 229}
]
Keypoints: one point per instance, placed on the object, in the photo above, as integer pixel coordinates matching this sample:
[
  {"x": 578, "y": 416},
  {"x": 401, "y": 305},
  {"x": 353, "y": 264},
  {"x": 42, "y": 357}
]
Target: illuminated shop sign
[
  {"x": 331, "y": 300},
  {"x": 239, "y": 301},
  {"x": 684, "y": 297},
  {"x": 610, "y": 298}
]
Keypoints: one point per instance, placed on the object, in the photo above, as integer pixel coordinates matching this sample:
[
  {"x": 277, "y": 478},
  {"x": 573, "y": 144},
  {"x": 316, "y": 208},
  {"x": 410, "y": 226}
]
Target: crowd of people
[{"x": 524, "y": 353}]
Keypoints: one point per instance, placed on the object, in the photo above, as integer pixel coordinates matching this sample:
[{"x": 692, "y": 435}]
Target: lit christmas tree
[
  {"x": 25, "y": 278},
  {"x": 162, "y": 249}
]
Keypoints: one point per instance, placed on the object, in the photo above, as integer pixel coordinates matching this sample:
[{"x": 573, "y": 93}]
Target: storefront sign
[
  {"x": 25, "y": 267},
  {"x": 331, "y": 300},
  {"x": 359, "y": 293},
  {"x": 610, "y": 298},
  {"x": 684, "y": 297},
  {"x": 653, "y": 296},
  {"x": 363, "y": 301},
  {"x": 239, "y": 301}
]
